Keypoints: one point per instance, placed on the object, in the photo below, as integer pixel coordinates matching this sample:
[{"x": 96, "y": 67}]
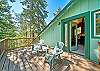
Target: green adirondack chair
[{"x": 55, "y": 54}]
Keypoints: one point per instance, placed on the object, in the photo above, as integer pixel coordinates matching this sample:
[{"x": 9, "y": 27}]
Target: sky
[{"x": 53, "y": 5}]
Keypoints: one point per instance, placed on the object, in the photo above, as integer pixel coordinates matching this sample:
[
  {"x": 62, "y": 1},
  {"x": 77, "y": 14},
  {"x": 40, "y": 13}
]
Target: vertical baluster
[
  {"x": 27, "y": 42},
  {"x": 9, "y": 43},
  {"x": 13, "y": 40},
  {"x": 23, "y": 42},
  {"x": 5, "y": 44},
  {"x": 19, "y": 41},
  {"x": 1, "y": 46},
  {"x": 16, "y": 43}
]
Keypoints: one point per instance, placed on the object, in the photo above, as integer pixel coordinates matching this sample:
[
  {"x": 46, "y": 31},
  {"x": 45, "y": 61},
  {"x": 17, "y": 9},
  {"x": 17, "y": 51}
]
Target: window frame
[
  {"x": 93, "y": 24},
  {"x": 97, "y": 12}
]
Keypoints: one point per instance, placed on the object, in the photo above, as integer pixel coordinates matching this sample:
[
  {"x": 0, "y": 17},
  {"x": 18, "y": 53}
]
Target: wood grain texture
[{"x": 21, "y": 59}]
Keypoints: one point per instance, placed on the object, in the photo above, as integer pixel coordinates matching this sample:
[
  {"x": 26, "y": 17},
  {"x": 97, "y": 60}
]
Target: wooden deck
[{"x": 22, "y": 60}]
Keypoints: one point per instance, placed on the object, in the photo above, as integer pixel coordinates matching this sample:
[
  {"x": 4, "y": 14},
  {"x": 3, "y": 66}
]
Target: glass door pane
[
  {"x": 77, "y": 35},
  {"x": 74, "y": 36}
]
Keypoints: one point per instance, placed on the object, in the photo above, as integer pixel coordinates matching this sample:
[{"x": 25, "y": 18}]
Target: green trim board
[
  {"x": 64, "y": 21},
  {"x": 86, "y": 15},
  {"x": 68, "y": 36},
  {"x": 63, "y": 36},
  {"x": 92, "y": 24}
]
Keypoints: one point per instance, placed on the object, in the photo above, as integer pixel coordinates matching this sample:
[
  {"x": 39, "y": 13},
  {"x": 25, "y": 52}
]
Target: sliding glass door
[{"x": 77, "y": 35}]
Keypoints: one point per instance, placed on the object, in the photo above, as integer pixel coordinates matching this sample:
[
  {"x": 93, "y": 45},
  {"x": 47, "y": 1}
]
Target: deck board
[
  {"x": 22, "y": 64},
  {"x": 11, "y": 63},
  {"x": 6, "y": 65},
  {"x": 2, "y": 62},
  {"x": 26, "y": 64},
  {"x": 11, "y": 66},
  {"x": 29, "y": 59},
  {"x": 22, "y": 60},
  {"x": 29, "y": 64},
  {"x": 1, "y": 55},
  {"x": 17, "y": 66}
]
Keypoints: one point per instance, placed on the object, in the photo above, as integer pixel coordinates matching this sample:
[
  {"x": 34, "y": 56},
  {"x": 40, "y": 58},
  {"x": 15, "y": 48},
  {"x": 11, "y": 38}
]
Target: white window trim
[{"x": 95, "y": 24}]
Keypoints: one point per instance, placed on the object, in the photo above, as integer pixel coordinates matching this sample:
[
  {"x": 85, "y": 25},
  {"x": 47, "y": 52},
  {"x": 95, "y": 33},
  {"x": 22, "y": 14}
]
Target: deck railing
[
  {"x": 13, "y": 43},
  {"x": 3, "y": 44}
]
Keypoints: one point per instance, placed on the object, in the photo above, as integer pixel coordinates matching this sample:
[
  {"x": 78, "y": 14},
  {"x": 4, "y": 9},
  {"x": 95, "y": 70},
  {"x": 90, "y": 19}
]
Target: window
[{"x": 97, "y": 23}]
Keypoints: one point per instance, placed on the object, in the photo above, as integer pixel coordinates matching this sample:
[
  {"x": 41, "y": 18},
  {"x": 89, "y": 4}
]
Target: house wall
[{"x": 53, "y": 33}]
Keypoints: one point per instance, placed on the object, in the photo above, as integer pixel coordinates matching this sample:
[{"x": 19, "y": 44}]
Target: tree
[
  {"x": 12, "y": 0},
  {"x": 57, "y": 12},
  {"x": 34, "y": 14},
  {"x": 7, "y": 28}
]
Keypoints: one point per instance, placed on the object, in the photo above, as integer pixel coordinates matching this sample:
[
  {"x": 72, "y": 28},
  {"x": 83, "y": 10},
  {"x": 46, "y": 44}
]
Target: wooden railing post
[
  {"x": 5, "y": 44},
  {"x": 0, "y": 47}
]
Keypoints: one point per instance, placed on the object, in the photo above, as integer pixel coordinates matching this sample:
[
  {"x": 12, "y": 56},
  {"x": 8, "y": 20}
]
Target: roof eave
[{"x": 57, "y": 15}]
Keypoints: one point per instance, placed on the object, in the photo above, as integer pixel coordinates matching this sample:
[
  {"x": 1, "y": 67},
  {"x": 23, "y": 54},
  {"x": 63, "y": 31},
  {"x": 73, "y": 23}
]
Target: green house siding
[
  {"x": 53, "y": 32},
  {"x": 94, "y": 49}
]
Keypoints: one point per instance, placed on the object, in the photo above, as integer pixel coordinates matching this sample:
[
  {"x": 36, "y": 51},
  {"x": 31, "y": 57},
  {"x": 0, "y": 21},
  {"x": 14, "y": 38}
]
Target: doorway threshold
[{"x": 79, "y": 53}]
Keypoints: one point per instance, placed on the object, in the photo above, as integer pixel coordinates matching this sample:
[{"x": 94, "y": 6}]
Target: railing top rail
[
  {"x": 19, "y": 38},
  {"x": 13, "y": 43},
  {"x": 16, "y": 39},
  {"x": 2, "y": 40}
]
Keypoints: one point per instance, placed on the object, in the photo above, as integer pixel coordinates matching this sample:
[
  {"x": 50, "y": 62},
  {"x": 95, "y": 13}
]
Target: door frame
[
  {"x": 76, "y": 39},
  {"x": 86, "y": 16}
]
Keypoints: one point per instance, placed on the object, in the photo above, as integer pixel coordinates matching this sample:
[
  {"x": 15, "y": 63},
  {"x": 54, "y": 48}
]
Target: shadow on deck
[{"x": 21, "y": 59}]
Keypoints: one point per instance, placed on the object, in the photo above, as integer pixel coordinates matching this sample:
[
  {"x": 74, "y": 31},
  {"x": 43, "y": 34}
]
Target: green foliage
[
  {"x": 32, "y": 20},
  {"x": 57, "y": 12},
  {"x": 7, "y": 28}
]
